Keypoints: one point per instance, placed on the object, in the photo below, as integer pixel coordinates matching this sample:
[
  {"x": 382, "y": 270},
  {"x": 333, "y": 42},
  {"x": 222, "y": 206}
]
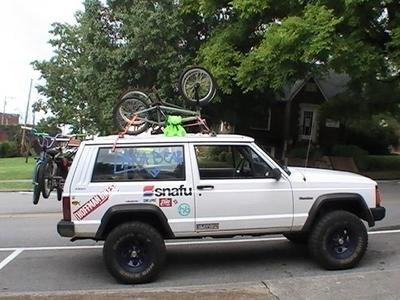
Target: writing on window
[{"x": 139, "y": 164}]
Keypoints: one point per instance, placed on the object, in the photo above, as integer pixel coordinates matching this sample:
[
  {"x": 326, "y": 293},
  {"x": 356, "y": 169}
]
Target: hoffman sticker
[
  {"x": 165, "y": 202},
  {"x": 184, "y": 209},
  {"x": 209, "y": 226},
  {"x": 93, "y": 203}
]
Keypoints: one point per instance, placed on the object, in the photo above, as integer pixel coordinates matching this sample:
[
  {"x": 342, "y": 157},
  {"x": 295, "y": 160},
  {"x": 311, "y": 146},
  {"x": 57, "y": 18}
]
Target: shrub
[
  {"x": 9, "y": 149},
  {"x": 301, "y": 152},
  {"x": 378, "y": 162},
  {"x": 348, "y": 151}
]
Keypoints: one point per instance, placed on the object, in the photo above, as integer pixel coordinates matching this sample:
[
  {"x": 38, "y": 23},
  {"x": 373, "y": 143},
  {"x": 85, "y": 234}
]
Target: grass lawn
[
  {"x": 16, "y": 168},
  {"x": 16, "y": 186}
]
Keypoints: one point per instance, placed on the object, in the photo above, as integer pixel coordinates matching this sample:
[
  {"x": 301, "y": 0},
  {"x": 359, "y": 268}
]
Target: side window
[
  {"x": 139, "y": 164},
  {"x": 230, "y": 162}
]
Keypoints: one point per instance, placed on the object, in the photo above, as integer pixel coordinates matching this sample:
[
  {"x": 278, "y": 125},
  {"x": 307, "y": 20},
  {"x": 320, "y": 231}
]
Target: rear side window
[
  {"x": 139, "y": 164},
  {"x": 230, "y": 162}
]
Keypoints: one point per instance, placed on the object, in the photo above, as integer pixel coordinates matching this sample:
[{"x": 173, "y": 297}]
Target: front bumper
[
  {"x": 66, "y": 228},
  {"x": 378, "y": 213}
]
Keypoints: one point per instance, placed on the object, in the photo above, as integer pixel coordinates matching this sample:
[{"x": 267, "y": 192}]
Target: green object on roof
[{"x": 174, "y": 126}]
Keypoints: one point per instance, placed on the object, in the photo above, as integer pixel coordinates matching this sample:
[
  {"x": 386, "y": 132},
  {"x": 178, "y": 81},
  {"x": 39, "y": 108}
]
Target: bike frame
[{"x": 161, "y": 112}]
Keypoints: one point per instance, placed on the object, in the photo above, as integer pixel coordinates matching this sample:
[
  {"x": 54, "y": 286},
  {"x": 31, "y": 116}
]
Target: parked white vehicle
[{"x": 152, "y": 188}]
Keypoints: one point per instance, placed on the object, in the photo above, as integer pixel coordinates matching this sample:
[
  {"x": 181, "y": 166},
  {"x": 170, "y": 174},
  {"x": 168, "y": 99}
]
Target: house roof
[{"x": 330, "y": 85}]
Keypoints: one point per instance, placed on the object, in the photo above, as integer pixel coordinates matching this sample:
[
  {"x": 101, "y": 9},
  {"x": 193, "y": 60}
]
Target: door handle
[{"x": 205, "y": 187}]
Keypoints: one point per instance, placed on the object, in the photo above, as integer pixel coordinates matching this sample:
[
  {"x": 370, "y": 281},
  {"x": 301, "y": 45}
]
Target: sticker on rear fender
[{"x": 94, "y": 203}]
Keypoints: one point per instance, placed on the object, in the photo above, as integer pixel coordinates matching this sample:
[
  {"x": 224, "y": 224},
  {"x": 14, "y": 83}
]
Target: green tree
[
  {"x": 111, "y": 48},
  {"x": 258, "y": 44}
]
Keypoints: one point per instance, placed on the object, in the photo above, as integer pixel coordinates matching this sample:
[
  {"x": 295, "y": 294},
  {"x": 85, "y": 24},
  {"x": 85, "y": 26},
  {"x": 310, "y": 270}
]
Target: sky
[{"x": 24, "y": 32}]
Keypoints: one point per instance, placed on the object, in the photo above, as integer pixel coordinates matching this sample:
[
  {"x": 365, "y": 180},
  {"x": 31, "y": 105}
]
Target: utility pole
[
  {"x": 23, "y": 142},
  {"x": 29, "y": 101}
]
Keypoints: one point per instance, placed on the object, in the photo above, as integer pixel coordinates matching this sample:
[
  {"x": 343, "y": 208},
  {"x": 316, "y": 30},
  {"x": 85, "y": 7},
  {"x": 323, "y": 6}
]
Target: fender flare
[
  {"x": 338, "y": 198},
  {"x": 133, "y": 209}
]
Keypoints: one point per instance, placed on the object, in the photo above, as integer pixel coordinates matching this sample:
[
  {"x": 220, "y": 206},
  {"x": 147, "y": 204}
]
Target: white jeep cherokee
[{"x": 138, "y": 192}]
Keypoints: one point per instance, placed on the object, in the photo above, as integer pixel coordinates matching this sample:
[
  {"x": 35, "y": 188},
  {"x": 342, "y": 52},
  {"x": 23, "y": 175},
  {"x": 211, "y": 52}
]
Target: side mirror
[{"x": 275, "y": 173}]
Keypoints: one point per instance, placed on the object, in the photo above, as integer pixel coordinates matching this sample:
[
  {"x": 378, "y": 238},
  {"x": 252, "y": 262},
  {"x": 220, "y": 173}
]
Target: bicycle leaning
[{"x": 52, "y": 164}]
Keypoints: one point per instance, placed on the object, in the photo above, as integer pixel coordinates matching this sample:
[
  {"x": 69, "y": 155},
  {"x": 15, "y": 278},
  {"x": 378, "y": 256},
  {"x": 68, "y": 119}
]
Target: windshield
[{"x": 283, "y": 166}]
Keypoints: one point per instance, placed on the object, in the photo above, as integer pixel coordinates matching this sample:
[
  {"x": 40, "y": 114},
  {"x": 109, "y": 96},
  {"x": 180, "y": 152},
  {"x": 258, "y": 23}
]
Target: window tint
[
  {"x": 139, "y": 164},
  {"x": 227, "y": 162}
]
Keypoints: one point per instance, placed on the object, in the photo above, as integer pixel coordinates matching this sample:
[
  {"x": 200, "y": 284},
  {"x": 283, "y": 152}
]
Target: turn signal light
[
  {"x": 66, "y": 202},
  {"x": 378, "y": 199}
]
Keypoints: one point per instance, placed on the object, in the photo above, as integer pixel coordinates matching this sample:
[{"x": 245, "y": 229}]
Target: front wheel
[
  {"x": 338, "y": 240},
  {"x": 134, "y": 252},
  {"x": 197, "y": 86},
  {"x": 36, "y": 186}
]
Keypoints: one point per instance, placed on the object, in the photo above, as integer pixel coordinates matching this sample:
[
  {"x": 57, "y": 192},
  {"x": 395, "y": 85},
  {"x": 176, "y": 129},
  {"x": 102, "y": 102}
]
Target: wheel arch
[
  {"x": 147, "y": 213},
  {"x": 351, "y": 202}
]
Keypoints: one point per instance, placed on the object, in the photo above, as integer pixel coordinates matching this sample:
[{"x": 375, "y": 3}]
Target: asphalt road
[{"x": 34, "y": 258}]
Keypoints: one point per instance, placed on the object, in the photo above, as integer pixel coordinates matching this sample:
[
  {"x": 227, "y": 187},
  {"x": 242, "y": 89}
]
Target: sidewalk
[{"x": 349, "y": 285}]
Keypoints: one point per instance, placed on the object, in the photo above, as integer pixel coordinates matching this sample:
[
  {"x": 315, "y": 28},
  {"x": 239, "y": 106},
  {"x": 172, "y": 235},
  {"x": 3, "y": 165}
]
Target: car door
[{"x": 235, "y": 190}]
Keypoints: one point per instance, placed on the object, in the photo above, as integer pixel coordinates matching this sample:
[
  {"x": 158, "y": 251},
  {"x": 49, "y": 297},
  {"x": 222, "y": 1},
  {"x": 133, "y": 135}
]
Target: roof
[
  {"x": 159, "y": 138},
  {"x": 330, "y": 85}
]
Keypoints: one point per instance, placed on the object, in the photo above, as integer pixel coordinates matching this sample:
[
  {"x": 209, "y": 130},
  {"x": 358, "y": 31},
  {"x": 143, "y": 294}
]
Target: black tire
[
  {"x": 131, "y": 102},
  {"x": 36, "y": 187},
  {"x": 297, "y": 237},
  {"x": 338, "y": 240},
  {"x": 45, "y": 179},
  {"x": 59, "y": 194},
  {"x": 134, "y": 252},
  {"x": 207, "y": 91}
]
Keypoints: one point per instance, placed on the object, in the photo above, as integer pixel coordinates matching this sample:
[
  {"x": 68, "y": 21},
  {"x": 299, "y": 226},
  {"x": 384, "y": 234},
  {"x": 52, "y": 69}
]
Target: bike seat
[{"x": 53, "y": 151}]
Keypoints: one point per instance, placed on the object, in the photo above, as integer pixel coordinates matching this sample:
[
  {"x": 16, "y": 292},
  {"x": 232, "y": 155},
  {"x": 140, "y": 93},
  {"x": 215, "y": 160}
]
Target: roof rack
[{"x": 199, "y": 121}]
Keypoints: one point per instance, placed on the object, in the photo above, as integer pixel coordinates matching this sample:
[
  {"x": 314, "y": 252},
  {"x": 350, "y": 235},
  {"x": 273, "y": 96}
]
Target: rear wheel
[
  {"x": 45, "y": 179},
  {"x": 338, "y": 240},
  {"x": 134, "y": 252}
]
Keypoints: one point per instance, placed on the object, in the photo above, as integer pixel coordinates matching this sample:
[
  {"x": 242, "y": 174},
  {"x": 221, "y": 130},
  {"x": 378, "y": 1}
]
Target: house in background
[
  {"x": 293, "y": 118},
  {"x": 7, "y": 120}
]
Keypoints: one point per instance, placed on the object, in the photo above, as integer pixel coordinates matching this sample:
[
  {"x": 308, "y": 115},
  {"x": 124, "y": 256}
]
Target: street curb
[
  {"x": 16, "y": 191},
  {"x": 242, "y": 291}
]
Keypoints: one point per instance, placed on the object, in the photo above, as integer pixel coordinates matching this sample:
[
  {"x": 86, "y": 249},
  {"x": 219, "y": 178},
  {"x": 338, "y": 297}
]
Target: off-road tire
[
  {"x": 338, "y": 240},
  {"x": 131, "y": 244},
  {"x": 297, "y": 237}
]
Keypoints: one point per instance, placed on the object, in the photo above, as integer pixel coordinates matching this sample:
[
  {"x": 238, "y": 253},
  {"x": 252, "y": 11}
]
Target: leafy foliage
[
  {"x": 250, "y": 46},
  {"x": 110, "y": 48}
]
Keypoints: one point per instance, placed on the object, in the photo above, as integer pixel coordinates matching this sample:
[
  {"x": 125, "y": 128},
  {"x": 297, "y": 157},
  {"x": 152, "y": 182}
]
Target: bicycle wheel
[
  {"x": 36, "y": 186},
  {"x": 130, "y": 103},
  {"x": 197, "y": 85},
  {"x": 45, "y": 179}
]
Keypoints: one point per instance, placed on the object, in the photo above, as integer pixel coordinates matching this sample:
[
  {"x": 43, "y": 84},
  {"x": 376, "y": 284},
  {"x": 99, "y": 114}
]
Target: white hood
[{"x": 323, "y": 175}]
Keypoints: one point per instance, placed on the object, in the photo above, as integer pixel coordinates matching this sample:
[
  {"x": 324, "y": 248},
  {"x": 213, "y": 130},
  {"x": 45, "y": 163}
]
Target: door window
[
  {"x": 139, "y": 164},
  {"x": 230, "y": 162},
  {"x": 307, "y": 122}
]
